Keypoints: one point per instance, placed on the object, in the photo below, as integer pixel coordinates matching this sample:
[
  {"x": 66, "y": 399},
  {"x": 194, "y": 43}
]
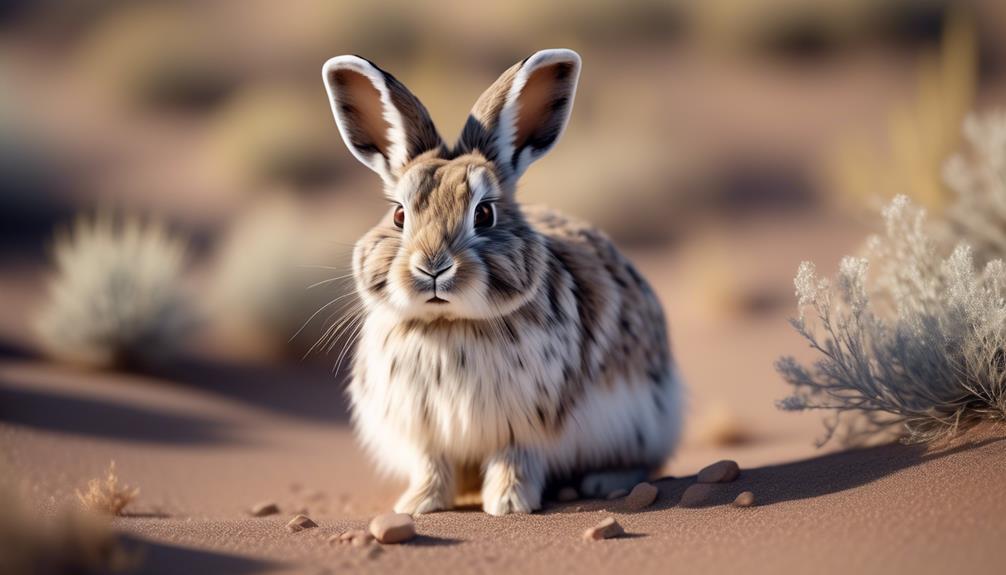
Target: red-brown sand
[{"x": 206, "y": 440}]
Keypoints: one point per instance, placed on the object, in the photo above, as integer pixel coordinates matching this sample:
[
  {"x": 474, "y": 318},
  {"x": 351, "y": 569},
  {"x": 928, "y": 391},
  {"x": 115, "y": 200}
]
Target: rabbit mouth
[{"x": 437, "y": 300}]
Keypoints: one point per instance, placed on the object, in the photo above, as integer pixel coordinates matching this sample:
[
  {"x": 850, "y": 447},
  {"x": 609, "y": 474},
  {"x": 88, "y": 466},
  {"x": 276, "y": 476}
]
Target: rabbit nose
[{"x": 432, "y": 267}]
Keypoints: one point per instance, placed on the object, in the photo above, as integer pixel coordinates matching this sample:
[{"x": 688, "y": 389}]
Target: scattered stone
[
  {"x": 300, "y": 523},
  {"x": 745, "y": 499},
  {"x": 355, "y": 537},
  {"x": 567, "y": 494},
  {"x": 720, "y": 472},
  {"x": 617, "y": 493},
  {"x": 696, "y": 494},
  {"x": 393, "y": 528},
  {"x": 264, "y": 509},
  {"x": 642, "y": 496},
  {"x": 606, "y": 529}
]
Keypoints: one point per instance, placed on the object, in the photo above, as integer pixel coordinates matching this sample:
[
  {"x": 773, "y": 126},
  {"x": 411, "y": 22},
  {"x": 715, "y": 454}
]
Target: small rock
[
  {"x": 604, "y": 530},
  {"x": 696, "y": 494},
  {"x": 642, "y": 495},
  {"x": 356, "y": 537},
  {"x": 617, "y": 493},
  {"x": 720, "y": 472},
  {"x": 567, "y": 494},
  {"x": 745, "y": 499},
  {"x": 264, "y": 509},
  {"x": 393, "y": 528},
  {"x": 300, "y": 523}
]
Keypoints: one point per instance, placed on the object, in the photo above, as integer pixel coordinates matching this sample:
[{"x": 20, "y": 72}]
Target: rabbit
[{"x": 497, "y": 339}]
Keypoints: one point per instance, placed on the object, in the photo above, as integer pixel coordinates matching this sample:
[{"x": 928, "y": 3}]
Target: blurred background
[{"x": 718, "y": 142}]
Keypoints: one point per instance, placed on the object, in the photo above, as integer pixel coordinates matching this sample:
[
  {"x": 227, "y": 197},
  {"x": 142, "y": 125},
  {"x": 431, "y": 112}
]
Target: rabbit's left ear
[
  {"x": 382, "y": 122},
  {"x": 520, "y": 117}
]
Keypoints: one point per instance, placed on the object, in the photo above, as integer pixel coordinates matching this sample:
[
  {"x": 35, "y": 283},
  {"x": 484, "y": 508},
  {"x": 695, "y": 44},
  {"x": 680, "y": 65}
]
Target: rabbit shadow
[
  {"x": 818, "y": 476},
  {"x": 793, "y": 481}
]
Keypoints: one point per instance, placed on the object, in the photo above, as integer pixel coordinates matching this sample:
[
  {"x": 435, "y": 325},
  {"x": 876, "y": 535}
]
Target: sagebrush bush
[
  {"x": 911, "y": 341},
  {"x": 978, "y": 179},
  {"x": 117, "y": 295}
]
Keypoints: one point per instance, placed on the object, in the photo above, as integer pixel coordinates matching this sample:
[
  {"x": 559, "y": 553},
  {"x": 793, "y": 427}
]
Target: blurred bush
[
  {"x": 275, "y": 135},
  {"x": 156, "y": 55},
  {"x": 117, "y": 297},
  {"x": 921, "y": 134},
  {"x": 259, "y": 287}
]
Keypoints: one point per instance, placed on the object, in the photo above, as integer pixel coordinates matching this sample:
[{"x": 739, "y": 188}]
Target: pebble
[
  {"x": 745, "y": 499},
  {"x": 300, "y": 523},
  {"x": 720, "y": 472},
  {"x": 696, "y": 494},
  {"x": 265, "y": 508},
  {"x": 355, "y": 537},
  {"x": 567, "y": 494},
  {"x": 617, "y": 493},
  {"x": 393, "y": 528},
  {"x": 604, "y": 530},
  {"x": 642, "y": 496}
]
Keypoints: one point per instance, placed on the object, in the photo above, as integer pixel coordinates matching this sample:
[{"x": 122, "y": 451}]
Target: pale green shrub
[
  {"x": 910, "y": 341},
  {"x": 117, "y": 296}
]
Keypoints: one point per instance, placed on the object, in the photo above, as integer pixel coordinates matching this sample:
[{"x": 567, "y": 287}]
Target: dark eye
[
  {"x": 485, "y": 215},
  {"x": 399, "y": 217}
]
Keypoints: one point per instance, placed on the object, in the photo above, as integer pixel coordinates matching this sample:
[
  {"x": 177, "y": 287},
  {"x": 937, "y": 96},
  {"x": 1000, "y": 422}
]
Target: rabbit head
[{"x": 454, "y": 242}]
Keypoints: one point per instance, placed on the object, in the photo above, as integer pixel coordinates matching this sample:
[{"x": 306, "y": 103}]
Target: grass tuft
[{"x": 107, "y": 496}]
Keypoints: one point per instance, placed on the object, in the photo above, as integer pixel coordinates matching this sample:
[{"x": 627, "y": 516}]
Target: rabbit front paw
[
  {"x": 513, "y": 483},
  {"x": 431, "y": 488}
]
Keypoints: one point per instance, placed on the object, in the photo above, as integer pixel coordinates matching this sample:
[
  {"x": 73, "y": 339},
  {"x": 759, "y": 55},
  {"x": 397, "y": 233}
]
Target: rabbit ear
[
  {"x": 520, "y": 117},
  {"x": 383, "y": 124}
]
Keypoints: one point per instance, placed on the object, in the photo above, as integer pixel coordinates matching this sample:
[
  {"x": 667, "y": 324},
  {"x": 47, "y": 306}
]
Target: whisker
[
  {"x": 315, "y": 314},
  {"x": 329, "y": 280}
]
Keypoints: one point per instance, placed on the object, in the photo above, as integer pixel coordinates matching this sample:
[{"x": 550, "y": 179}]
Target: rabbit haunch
[{"x": 522, "y": 343}]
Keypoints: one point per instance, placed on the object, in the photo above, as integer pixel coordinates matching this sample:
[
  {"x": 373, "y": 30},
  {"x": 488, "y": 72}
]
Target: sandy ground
[{"x": 205, "y": 440}]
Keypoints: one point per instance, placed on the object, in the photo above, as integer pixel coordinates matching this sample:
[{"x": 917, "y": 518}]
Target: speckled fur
[{"x": 549, "y": 361}]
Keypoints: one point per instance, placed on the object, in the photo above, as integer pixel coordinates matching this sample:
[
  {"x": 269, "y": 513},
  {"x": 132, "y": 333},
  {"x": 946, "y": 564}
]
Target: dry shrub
[
  {"x": 107, "y": 496},
  {"x": 978, "y": 179},
  {"x": 921, "y": 133},
  {"x": 116, "y": 298},
  {"x": 910, "y": 341}
]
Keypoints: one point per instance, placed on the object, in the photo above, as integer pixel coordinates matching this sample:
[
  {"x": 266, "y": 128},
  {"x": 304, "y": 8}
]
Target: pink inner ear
[
  {"x": 534, "y": 104},
  {"x": 362, "y": 110}
]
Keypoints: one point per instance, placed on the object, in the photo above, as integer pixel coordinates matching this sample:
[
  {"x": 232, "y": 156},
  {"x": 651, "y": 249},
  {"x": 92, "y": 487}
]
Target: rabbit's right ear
[
  {"x": 521, "y": 116},
  {"x": 382, "y": 123}
]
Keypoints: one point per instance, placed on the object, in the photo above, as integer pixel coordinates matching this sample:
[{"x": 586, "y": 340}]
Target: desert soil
[{"x": 205, "y": 440}]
